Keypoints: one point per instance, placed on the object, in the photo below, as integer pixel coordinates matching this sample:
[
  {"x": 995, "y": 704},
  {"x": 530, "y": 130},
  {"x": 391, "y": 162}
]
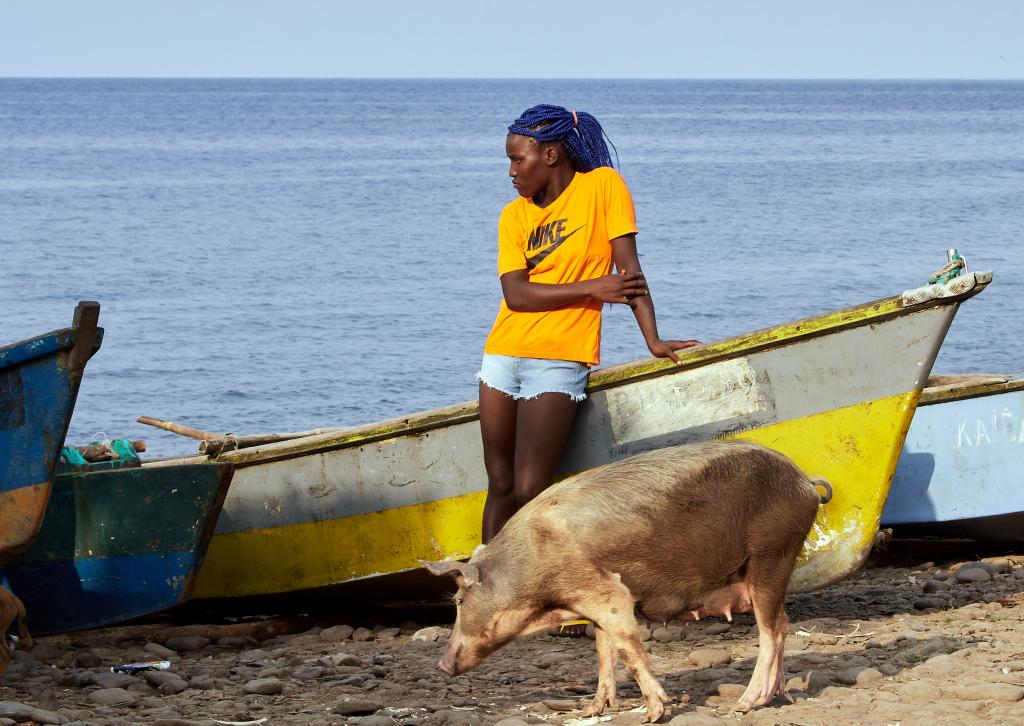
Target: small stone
[
  {"x": 459, "y": 718},
  {"x": 355, "y": 707},
  {"x": 343, "y": 659},
  {"x": 717, "y": 628},
  {"x": 858, "y": 676},
  {"x": 202, "y": 683},
  {"x": 408, "y": 627},
  {"x": 264, "y": 686},
  {"x": 336, "y": 633},
  {"x": 709, "y": 657},
  {"x": 158, "y": 678},
  {"x": 430, "y": 635},
  {"x": 978, "y": 566},
  {"x": 933, "y": 603},
  {"x": 251, "y": 656},
  {"x": 795, "y": 645},
  {"x": 112, "y": 697},
  {"x": 559, "y": 705},
  {"x": 389, "y": 633},
  {"x": 363, "y": 635},
  {"x": 972, "y": 574},
  {"x": 731, "y": 691},
  {"x": 159, "y": 651},
  {"x": 382, "y": 659},
  {"x": 76, "y": 679},
  {"x": 173, "y": 687},
  {"x": 1019, "y": 573},
  {"x": 809, "y": 681},
  {"x": 187, "y": 643},
  {"x": 511, "y": 722},
  {"x": 88, "y": 659},
  {"x": 663, "y": 635},
  {"x": 935, "y": 586},
  {"x": 1001, "y": 565},
  {"x": 308, "y": 673},
  {"x": 15, "y": 711}
]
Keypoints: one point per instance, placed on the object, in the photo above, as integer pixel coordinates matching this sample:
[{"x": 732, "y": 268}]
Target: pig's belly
[{"x": 732, "y": 598}]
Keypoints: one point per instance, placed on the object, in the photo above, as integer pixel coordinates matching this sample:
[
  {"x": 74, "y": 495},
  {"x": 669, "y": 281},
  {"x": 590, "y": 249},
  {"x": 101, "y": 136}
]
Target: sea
[{"x": 283, "y": 255}]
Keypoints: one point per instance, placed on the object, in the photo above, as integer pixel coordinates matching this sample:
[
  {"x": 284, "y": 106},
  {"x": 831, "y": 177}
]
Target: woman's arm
[
  {"x": 522, "y": 295},
  {"x": 626, "y": 261}
]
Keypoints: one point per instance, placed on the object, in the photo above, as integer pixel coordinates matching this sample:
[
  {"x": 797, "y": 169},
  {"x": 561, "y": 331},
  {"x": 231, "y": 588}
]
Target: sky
[{"x": 908, "y": 39}]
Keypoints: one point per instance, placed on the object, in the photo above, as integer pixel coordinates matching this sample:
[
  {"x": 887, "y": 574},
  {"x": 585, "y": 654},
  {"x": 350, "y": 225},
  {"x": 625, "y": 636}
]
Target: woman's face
[{"x": 529, "y": 165}]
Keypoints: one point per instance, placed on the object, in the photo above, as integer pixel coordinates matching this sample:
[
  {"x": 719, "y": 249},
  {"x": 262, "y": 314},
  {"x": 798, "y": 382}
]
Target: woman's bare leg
[
  {"x": 542, "y": 428},
  {"x": 498, "y": 432}
]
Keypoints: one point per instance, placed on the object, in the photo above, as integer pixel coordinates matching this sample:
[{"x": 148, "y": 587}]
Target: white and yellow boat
[{"x": 835, "y": 392}]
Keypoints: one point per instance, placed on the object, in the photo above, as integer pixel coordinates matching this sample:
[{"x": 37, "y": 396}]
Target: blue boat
[
  {"x": 119, "y": 541},
  {"x": 39, "y": 380},
  {"x": 961, "y": 473}
]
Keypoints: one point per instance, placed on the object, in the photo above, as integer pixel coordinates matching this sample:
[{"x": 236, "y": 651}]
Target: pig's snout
[
  {"x": 449, "y": 662},
  {"x": 448, "y": 668}
]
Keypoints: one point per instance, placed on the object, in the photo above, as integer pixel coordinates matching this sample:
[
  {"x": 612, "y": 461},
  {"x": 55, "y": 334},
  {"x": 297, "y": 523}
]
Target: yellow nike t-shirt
[{"x": 567, "y": 241}]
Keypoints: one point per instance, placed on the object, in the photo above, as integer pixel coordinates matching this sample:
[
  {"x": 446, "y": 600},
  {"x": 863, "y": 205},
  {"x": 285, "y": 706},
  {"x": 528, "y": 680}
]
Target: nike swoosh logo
[{"x": 532, "y": 262}]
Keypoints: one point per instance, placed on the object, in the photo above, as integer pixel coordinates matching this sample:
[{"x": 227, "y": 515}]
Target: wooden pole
[
  {"x": 177, "y": 428},
  {"x": 213, "y": 444}
]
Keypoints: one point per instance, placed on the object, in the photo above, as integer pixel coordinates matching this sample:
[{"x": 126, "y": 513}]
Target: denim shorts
[{"x": 523, "y": 378}]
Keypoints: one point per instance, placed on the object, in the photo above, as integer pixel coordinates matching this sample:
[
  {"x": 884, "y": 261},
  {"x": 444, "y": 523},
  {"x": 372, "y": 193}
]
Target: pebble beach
[{"x": 919, "y": 636}]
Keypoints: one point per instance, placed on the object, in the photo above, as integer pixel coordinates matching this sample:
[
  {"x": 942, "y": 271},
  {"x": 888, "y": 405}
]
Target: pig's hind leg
[
  {"x": 606, "y": 658},
  {"x": 767, "y": 580},
  {"x": 612, "y": 609}
]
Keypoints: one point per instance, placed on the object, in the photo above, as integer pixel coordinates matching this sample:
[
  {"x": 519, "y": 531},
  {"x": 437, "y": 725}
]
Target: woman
[{"x": 556, "y": 245}]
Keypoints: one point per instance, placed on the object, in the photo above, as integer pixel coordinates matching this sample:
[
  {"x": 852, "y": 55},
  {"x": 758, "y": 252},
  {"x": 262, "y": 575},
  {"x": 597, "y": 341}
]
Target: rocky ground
[{"x": 906, "y": 641}]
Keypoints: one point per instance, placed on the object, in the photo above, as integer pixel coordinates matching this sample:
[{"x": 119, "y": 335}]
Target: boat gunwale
[
  {"x": 974, "y": 388},
  {"x": 869, "y": 313},
  {"x": 40, "y": 346}
]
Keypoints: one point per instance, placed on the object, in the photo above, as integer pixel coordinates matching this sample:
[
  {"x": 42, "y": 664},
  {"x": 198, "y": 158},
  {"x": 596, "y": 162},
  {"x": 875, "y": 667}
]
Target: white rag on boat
[{"x": 956, "y": 286}]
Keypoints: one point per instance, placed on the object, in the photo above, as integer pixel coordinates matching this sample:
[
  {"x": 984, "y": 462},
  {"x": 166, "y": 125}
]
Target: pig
[
  {"x": 11, "y": 610},
  {"x": 683, "y": 532}
]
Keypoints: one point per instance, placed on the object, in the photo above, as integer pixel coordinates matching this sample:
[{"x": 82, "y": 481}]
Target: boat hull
[
  {"x": 118, "y": 544},
  {"x": 39, "y": 381},
  {"x": 836, "y": 393},
  {"x": 961, "y": 473}
]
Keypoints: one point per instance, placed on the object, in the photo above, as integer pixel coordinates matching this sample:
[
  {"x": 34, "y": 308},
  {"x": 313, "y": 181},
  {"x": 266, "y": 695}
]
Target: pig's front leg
[
  {"x": 605, "y": 695},
  {"x": 612, "y": 610}
]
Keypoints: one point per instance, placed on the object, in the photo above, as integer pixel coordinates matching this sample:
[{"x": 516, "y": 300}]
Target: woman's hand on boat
[
  {"x": 621, "y": 287},
  {"x": 668, "y": 348}
]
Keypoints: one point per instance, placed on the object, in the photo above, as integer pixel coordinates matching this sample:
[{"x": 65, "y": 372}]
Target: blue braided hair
[{"x": 579, "y": 132}]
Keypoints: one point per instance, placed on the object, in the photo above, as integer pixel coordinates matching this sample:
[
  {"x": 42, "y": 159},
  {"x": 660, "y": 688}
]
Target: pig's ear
[{"x": 465, "y": 573}]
